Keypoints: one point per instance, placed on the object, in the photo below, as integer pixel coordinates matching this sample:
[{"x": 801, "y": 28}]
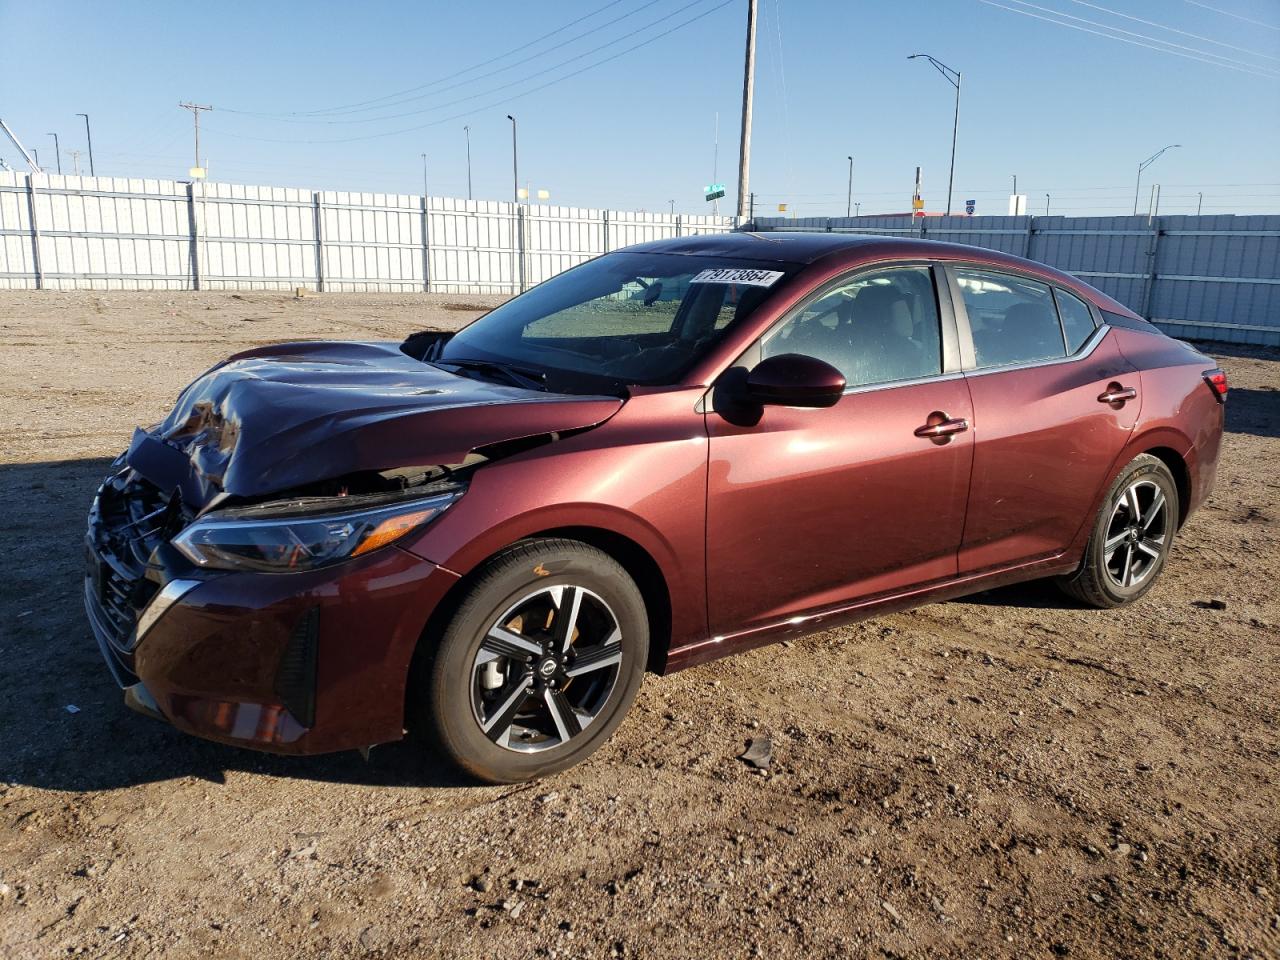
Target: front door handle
[
  {"x": 1115, "y": 393},
  {"x": 940, "y": 426}
]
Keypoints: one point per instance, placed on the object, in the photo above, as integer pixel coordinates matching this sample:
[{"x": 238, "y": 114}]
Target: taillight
[{"x": 1217, "y": 381}]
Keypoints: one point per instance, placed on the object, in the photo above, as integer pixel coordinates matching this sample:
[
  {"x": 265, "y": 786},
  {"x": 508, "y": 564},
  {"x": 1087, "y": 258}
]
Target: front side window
[
  {"x": 1012, "y": 320},
  {"x": 625, "y": 318},
  {"x": 877, "y": 327},
  {"x": 1077, "y": 320}
]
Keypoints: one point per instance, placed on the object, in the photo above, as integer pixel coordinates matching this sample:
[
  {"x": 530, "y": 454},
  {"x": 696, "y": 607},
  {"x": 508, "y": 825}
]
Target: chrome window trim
[
  {"x": 913, "y": 382},
  {"x": 1088, "y": 347}
]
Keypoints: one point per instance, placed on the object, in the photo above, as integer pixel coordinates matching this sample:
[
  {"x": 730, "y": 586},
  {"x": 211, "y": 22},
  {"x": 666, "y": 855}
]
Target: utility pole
[
  {"x": 515, "y": 164},
  {"x": 753, "y": 208},
  {"x": 715, "y": 163},
  {"x": 673, "y": 206},
  {"x": 33, "y": 164},
  {"x": 195, "y": 109},
  {"x": 57, "y": 152},
  {"x": 1142, "y": 166},
  {"x": 88, "y": 136},
  {"x": 1199, "y": 201},
  {"x": 467, "y": 131},
  {"x": 75, "y": 160},
  {"x": 748, "y": 94},
  {"x": 1046, "y": 204},
  {"x": 953, "y": 78},
  {"x": 1015, "y": 184},
  {"x": 848, "y": 203}
]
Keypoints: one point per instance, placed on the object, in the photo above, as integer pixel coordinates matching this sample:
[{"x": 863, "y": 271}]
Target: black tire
[
  {"x": 536, "y": 578},
  {"x": 1110, "y": 575}
]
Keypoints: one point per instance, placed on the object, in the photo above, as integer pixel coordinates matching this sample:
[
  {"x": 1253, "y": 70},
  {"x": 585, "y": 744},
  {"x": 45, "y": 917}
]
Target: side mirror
[{"x": 794, "y": 380}]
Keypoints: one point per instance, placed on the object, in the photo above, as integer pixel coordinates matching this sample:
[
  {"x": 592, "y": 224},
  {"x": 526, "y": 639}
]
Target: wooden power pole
[{"x": 748, "y": 94}]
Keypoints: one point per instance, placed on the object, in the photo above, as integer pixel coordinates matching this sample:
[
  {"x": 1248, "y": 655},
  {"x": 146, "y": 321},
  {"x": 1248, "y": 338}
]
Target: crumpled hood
[{"x": 279, "y": 417}]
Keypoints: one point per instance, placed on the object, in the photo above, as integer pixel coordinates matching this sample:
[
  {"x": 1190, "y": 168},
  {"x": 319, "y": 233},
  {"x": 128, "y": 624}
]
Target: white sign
[{"x": 743, "y": 275}]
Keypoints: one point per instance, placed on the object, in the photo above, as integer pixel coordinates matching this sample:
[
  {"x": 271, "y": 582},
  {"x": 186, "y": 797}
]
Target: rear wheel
[
  {"x": 540, "y": 663},
  {"x": 1131, "y": 537}
]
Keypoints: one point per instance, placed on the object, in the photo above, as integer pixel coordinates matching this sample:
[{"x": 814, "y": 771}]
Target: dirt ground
[{"x": 1002, "y": 776}]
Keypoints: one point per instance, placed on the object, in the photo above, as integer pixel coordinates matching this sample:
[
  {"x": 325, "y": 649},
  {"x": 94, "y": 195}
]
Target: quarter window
[
  {"x": 875, "y": 328},
  {"x": 1012, "y": 320},
  {"x": 1077, "y": 320}
]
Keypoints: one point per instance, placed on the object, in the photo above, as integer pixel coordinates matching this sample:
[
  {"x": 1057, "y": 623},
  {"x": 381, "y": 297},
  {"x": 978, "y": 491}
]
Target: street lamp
[
  {"x": 1142, "y": 166},
  {"x": 89, "y": 139},
  {"x": 953, "y": 78},
  {"x": 848, "y": 204},
  {"x": 57, "y": 152}
]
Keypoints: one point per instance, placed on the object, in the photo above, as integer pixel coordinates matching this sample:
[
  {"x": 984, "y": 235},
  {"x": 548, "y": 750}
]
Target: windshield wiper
[{"x": 524, "y": 377}]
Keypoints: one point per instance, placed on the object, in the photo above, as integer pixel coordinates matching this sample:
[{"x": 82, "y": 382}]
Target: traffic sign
[
  {"x": 969, "y": 205},
  {"x": 713, "y": 191}
]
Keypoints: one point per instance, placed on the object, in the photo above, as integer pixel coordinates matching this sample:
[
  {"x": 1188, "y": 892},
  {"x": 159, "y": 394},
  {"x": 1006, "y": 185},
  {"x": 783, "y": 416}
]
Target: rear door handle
[
  {"x": 1117, "y": 394},
  {"x": 941, "y": 428}
]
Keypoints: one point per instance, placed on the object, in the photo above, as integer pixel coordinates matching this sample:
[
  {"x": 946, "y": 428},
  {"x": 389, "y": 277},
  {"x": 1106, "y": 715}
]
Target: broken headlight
[{"x": 292, "y": 541}]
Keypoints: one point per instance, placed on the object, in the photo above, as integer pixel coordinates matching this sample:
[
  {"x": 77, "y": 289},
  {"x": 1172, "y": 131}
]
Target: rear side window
[
  {"x": 1012, "y": 320},
  {"x": 876, "y": 327},
  {"x": 1077, "y": 320}
]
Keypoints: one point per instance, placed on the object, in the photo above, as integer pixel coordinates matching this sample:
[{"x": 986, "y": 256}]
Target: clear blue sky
[{"x": 1068, "y": 111}]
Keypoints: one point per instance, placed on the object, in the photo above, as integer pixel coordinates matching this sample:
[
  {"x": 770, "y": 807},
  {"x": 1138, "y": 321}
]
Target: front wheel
[
  {"x": 1131, "y": 537},
  {"x": 540, "y": 663}
]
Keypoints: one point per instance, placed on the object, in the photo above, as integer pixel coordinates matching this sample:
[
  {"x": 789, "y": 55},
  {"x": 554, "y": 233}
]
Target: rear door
[{"x": 1045, "y": 443}]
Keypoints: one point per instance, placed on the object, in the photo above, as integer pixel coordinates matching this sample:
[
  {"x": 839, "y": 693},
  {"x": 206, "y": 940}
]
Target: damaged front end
[{"x": 241, "y": 577}]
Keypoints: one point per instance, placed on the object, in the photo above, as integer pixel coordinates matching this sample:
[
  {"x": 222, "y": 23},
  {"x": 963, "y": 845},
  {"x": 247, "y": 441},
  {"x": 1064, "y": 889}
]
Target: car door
[
  {"x": 1047, "y": 438},
  {"x": 809, "y": 509}
]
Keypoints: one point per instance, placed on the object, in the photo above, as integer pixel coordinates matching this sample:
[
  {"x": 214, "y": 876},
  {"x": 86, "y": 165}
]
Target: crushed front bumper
[{"x": 307, "y": 662}]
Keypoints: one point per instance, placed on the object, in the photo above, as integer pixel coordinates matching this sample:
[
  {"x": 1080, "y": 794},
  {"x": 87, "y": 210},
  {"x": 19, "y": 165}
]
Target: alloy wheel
[
  {"x": 1136, "y": 534},
  {"x": 546, "y": 668}
]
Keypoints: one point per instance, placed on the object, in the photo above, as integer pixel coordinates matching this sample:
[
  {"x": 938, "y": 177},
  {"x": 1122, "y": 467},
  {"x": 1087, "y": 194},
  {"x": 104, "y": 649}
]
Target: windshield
[{"x": 624, "y": 318}]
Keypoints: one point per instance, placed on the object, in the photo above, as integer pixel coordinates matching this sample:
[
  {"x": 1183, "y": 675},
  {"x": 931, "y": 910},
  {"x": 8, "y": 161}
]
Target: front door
[{"x": 809, "y": 509}]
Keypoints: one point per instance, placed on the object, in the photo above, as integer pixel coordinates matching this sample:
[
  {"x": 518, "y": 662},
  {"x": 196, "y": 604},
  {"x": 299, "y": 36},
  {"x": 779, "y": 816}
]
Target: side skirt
[{"x": 716, "y": 647}]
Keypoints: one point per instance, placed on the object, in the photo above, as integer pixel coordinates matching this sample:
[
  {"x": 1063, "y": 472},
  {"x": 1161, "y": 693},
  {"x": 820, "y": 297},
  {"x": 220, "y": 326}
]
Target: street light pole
[
  {"x": 88, "y": 136},
  {"x": 953, "y": 78},
  {"x": 57, "y": 152},
  {"x": 515, "y": 166},
  {"x": 848, "y": 203},
  {"x": 1142, "y": 166},
  {"x": 467, "y": 131},
  {"x": 424, "y": 176}
]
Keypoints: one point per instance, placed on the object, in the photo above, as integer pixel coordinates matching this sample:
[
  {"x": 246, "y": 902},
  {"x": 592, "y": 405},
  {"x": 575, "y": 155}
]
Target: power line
[
  {"x": 1161, "y": 26},
  {"x": 472, "y": 112},
  {"x": 484, "y": 63},
  {"x": 1226, "y": 61},
  {"x": 484, "y": 93},
  {"x": 1254, "y": 71},
  {"x": 1228, "y": 13},
  {"x": 302, "y": 116}
]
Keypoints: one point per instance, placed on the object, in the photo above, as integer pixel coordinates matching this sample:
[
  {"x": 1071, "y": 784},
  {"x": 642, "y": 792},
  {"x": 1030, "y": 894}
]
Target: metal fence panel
[
  {"x": 1197, "y": 277},
  {"x": 1216, "y": 276}
]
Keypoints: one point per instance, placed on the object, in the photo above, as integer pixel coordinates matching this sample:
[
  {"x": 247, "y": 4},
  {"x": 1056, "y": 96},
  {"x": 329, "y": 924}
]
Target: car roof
[{"x": 853, "y": 249}]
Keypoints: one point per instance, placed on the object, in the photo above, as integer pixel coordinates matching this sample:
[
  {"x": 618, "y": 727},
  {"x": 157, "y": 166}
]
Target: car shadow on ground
[
  {"x": 66, "y": 726},
  {"x": 1255, "y": 412},
  {"x": 1032, "y": 595}
]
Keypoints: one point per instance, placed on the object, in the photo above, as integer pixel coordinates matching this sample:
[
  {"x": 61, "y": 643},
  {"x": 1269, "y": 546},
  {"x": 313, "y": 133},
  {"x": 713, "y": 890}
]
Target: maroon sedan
[{"x": 667, "y": 454}]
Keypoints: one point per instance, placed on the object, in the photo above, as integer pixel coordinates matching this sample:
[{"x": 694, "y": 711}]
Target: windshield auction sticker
[{"x": 752, "y": 278}]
